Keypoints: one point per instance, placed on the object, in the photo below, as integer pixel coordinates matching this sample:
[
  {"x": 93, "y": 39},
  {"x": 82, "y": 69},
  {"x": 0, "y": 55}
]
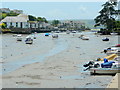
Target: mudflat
[{"x": 52, "y": 63}]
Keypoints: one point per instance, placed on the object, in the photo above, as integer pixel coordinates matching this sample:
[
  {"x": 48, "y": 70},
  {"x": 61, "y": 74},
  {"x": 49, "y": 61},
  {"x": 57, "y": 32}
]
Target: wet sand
[{"x": 53, "y": 63}]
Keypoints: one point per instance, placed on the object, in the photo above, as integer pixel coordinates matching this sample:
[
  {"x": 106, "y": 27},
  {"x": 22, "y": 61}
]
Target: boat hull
[
  {"x": 106, "y": 71},
  {"x": 29, "y": 42}
]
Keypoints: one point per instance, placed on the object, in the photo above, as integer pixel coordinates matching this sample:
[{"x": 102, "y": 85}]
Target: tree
[
  {"x": 12, "y": 14},
  {"x": 32, "y": 18},
  {"x": 107, "y": 16},
  {"x": 3, "y": 25},
  {"x": 40, "y": 19},
  {"x": 55, "y": 22}
]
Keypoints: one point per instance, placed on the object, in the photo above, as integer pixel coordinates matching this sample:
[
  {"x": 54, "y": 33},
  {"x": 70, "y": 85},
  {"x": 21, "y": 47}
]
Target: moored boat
[
  {"x": 47, "y": 34},
  {"x": 55, "y": 36},
  {"x": 112, "y": 50},
  {"x": 113, "y": 70},
  {"x": 74, "y": 31},
  {"x": 118, "y": 45},
  {"x": 114, "y": 33},
  {"x": 29, "y": 40},
  {"x": 67, "y": 32},
  {"x": 105, "y": 39},
  {"x": 84, "y": 37},
  {"x": 19, "y": 37}
]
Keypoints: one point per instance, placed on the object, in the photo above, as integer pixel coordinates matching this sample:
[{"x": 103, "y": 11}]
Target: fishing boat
[
  {"x": 29, "y": 40},
  {"x": 105, "y": 39},
  {"x": 19, "y": 37},
  {"x": 55, "y": 36}
]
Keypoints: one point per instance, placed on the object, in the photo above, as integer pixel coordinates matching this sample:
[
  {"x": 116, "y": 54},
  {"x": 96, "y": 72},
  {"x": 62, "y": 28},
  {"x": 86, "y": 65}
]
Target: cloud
[{"x": 82, "y": 9}]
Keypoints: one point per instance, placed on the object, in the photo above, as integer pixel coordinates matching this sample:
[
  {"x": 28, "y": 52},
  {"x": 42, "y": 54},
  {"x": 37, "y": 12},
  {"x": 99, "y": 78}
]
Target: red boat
[{"x": 118, "y": 45}]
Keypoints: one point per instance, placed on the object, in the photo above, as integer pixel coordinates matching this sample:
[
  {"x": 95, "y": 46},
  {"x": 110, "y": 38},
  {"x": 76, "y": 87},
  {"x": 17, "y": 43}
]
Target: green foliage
[
  {"x": 40, "y": 19},
  {"x": 55, "y": 22},
  {"x": 3, "y": 15},
  {"x": 107, "y": 16},
  {"x": 12, "y": 14},
  {"x": 32, "y": 18},
  {"x": 3, "y": 25}
]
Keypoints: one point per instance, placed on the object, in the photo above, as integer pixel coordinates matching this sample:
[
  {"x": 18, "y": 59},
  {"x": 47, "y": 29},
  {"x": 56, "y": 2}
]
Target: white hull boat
[
  {"x": 109, "y": 71},
  {"x": 67, "y": 32},
  {"x": 104, "y": 71},
  {"x": 85, "y": 38},
  {"x": 19, "y": 37},
  {"x": 112, "y": 50},
  {"x": 74, "y": 31},
  {"x": 29, "y": 40},
  {"x": 54, "y": 36},
  {"x": 114, "y": 33}
]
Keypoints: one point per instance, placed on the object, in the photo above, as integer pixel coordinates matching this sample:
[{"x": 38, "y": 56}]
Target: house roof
[{"x": 19, "y": 18}]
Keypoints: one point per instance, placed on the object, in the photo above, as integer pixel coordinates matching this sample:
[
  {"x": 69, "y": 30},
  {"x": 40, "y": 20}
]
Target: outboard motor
[
  {"x": 90, "y": 63},
  {"x": 105, "y": 51},
  {"x": 96, "y": 65}
]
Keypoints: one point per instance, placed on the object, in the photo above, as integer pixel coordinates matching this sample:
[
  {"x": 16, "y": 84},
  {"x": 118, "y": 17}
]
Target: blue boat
[{"x": 47, "y": 34}]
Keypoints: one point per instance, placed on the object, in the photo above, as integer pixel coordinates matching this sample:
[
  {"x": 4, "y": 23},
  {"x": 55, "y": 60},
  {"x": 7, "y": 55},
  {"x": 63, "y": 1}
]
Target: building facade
[
  {"x": 22, "y": 21},
  {"x": 71, "y": 24}
]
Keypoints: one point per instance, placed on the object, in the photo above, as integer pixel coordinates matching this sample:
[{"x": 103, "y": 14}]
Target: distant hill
[{"x": 90, "y": 23}]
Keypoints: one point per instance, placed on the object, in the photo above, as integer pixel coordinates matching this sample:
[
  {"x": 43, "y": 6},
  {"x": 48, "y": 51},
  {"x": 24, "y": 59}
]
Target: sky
[{"x": 57, "y": 10}]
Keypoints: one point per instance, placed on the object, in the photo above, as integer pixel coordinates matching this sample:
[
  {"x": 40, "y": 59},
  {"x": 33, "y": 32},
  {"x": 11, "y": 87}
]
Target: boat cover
[{"x": 107, "y": 64}]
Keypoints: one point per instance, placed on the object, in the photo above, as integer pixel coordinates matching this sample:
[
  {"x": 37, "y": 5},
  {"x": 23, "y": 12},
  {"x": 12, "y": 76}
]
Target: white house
[{"x": 20, "y": 21}]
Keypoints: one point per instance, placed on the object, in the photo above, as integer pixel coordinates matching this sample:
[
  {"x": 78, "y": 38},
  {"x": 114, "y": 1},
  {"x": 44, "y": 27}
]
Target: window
[
  {"x": 16, "y": 24},
  {"x": 10, "y": 23},
  {"x": 21, "y": 25}
]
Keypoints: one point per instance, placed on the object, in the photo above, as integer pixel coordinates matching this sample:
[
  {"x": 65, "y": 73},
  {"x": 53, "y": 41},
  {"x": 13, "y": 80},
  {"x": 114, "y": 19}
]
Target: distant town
[{"x": 17, "y": 22}]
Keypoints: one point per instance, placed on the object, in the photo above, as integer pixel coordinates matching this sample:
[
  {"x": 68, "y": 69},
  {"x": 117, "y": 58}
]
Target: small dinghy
[
  {"x": 47, "y": 34},
  {"x": 55, "y": 36},
  {"x": 112, "y": 50},
  {"x": 67, "y": 32},
  {"x": 74, "y": 31},
  {"x": 19, "y": 37},
  {"x": 118, "y": 45},
  {"x": 84, "y": 37},
  {"x": 29, "y": 40},
  {"x": 114, "y": 33},
  {"x": 105, "y": 39}
]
